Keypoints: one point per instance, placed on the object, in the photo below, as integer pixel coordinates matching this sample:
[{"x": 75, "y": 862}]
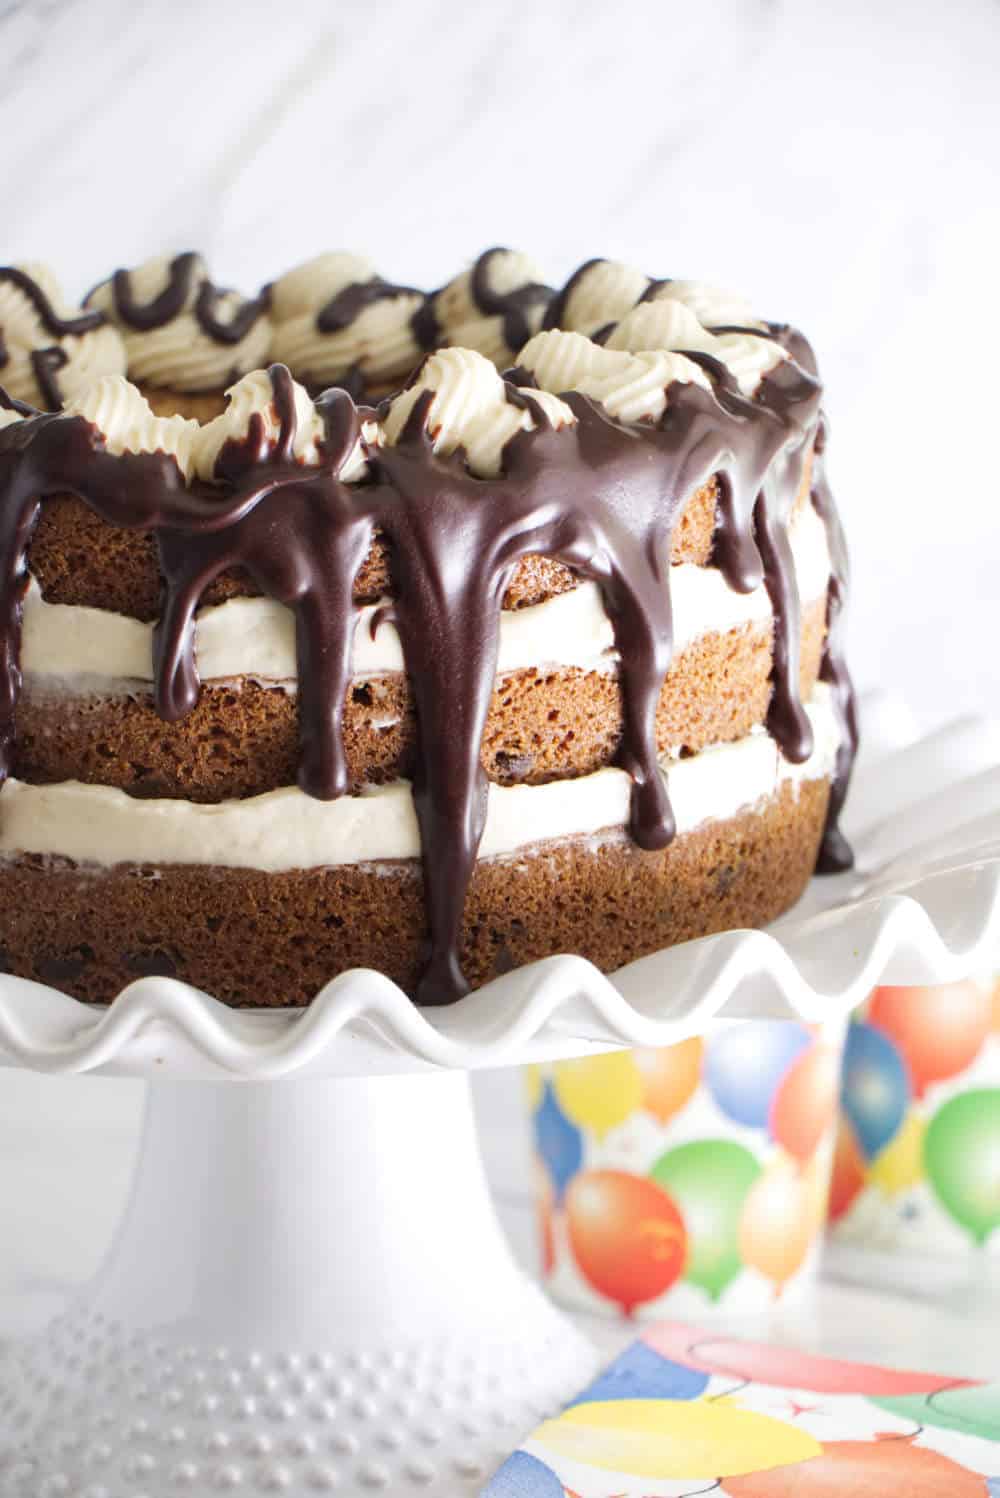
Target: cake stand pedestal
[{"x": 309, "y": 1291}]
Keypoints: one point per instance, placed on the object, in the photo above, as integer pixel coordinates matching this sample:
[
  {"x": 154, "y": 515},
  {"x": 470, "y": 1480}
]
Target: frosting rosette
[
  {"x": 49, "y": 349},
  {"x": 181, "y": 331}
]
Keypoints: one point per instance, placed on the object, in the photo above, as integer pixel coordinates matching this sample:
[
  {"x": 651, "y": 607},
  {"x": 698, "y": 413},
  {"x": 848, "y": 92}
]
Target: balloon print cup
[
  {"x": 916, "y": 1181},
  {"x": 688, "y": 1178}
]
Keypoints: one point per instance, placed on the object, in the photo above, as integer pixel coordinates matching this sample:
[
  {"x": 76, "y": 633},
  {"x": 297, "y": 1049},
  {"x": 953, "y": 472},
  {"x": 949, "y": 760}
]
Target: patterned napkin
[{"x": 686, "y": 1411}]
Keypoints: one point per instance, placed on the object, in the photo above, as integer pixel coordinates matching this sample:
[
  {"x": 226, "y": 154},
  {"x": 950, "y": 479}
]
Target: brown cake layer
[
  {"x": 203, "y": 405},
  {"x": 252, "y": 938},
  {"x": 543, "y": 724},
  {"x": 78, "y": 558}
]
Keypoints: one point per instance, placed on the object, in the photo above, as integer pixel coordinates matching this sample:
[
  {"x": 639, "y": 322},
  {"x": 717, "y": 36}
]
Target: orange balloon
[
  {"x": 805, "y": 1103},
  {"x": 848, "y": 1172},
  {"x": 864, "y": 1469},
  {"x": 626, "y": 1234},
  {"x": 670, "y": 1076},
  {"x": 779, "y": 1222},
  {"x": 939, "y": 1031},
  {"x": 545, "y": 1204},
  {"x": 996, "y": 1005}
]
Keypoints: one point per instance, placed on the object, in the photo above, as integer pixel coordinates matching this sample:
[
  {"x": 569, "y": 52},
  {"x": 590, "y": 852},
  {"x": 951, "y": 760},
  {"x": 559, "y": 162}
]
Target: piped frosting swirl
[
  {"x": 50, "y": 350},
  {"x": 182, "y": 332},
  {"x": 471, "y": 409},
  {"x": 336, "y": 322}
]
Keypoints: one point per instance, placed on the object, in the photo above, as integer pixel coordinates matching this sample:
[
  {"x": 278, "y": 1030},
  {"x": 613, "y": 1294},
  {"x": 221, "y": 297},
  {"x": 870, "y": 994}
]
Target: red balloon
[
  {"x": 765, "y": 1363},
  {"x": 864, "y": 1469},
  {"x": 939, "y": 1031},
  {"x": 626, "y": 1234},
  {"x": 848, "y": 1174},
  {"x": 805, "y": 1103}
]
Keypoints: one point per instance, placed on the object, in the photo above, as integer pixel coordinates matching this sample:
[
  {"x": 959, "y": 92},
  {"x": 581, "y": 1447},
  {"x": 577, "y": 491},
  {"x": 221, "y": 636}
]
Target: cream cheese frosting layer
[
  {"x": 287, "y": 829},
  {"x": 255, "y": 637}
]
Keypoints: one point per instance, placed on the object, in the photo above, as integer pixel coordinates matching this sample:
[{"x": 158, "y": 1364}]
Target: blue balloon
[
  {"x": 558, "y": 1141},
  {"x": 993, "y": 1485},
  {"x": 641, "y": 1373},
  {"x": 875, "y": 1090},
  {"x": 745, "y": 1063},
  {"x": 523, "y": 1476}
]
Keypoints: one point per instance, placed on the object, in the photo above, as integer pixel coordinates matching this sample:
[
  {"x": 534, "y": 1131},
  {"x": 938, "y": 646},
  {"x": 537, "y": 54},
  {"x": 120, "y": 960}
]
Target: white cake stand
[{"x": 310, "y": 1292}]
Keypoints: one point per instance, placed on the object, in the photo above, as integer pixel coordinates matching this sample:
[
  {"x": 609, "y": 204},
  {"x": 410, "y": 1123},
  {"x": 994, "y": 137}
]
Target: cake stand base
[{"x": 309, "y": 1292}]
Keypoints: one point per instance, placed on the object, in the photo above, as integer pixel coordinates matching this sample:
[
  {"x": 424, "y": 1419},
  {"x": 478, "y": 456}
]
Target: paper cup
[
  {"x": 693, "y": 1177},
  {"x": 916, "y": 1178}
]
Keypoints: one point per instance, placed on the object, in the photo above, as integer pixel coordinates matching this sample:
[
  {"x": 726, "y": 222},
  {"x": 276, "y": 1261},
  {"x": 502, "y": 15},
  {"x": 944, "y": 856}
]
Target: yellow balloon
[
  {"x": 901, "y": 1163},
  {"x": 674, "y": 1438},
  {"x": 533, "y": 1085},
  {"x": 599, "y": 1092}
]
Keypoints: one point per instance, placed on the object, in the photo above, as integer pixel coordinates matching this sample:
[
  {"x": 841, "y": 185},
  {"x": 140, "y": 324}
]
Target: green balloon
[
  {"x": 962, "y": 1157},
  {"x": 973, "y": 1410},
  {"x": 709, "y": 1180}
]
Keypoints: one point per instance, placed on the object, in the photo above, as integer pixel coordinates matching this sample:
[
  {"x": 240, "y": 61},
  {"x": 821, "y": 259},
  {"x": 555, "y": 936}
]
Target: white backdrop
[{"x": 838, "y": 161}]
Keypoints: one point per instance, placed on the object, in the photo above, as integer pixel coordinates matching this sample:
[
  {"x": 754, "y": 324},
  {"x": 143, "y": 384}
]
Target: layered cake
[{"x": 478, "y": 625}]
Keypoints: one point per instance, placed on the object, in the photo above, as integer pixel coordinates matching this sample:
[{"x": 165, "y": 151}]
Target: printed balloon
[
  {"x": 670, "y": 1076},
  {"x": 626, "y": 1234},
  {"x": 522, "y": 1474},
  {"x": 962, "y": 1159},
  {"x": 768, "y": 1363},
  {"x": 559, "y": 1143},
  {"x": 876, "y": 1087},
  {"x": 744, "y": 1064},
  {"x": 709, "y": 1180},
  {"x": 971, "y": 1408},
  {"x": 848, "y": 1176},
  {"x": 599, "y": 1092},
  {"x": 901, "y": 1163},
  {"x": 779, "y": 1222},
  {"x": 642, "y": 1373},
  {"x": 805, "y": 1104},
  {"x": 658, "y": 1438},
  {"x": 939, "y": 1031},
  {"x": 545, "y": 1204},
  {"x": 864, "y": 1469}
]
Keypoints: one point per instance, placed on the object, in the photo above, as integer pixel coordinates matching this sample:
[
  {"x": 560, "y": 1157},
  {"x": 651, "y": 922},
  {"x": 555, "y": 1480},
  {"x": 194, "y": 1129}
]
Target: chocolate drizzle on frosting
[
  {"x": 341, "y": 310},
  {"x": 556, "y": 313},
  {"x": 168, "y": 304},
  {"x": 599, "y": 495},
  {"x": 46, "y": 362},
  {"x": 54, "y": 324},
  {"x": 514, "y": 306}
]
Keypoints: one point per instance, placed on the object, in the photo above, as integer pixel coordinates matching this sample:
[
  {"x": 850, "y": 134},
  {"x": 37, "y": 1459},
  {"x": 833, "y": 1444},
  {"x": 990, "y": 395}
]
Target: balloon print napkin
[{"x": 686, "y": 1411}]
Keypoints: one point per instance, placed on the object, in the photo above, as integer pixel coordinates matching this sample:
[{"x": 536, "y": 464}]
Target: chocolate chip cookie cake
[{"x": 351, "y": 625}]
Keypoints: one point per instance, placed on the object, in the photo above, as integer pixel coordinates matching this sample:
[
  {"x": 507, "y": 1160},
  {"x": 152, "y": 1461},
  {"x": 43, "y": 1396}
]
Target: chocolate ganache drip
[{"x": 599, "y": 495}]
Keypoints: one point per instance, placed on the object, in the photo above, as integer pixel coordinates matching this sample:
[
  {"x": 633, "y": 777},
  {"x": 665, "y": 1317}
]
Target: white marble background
[{"x": 838, "y": 161}]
